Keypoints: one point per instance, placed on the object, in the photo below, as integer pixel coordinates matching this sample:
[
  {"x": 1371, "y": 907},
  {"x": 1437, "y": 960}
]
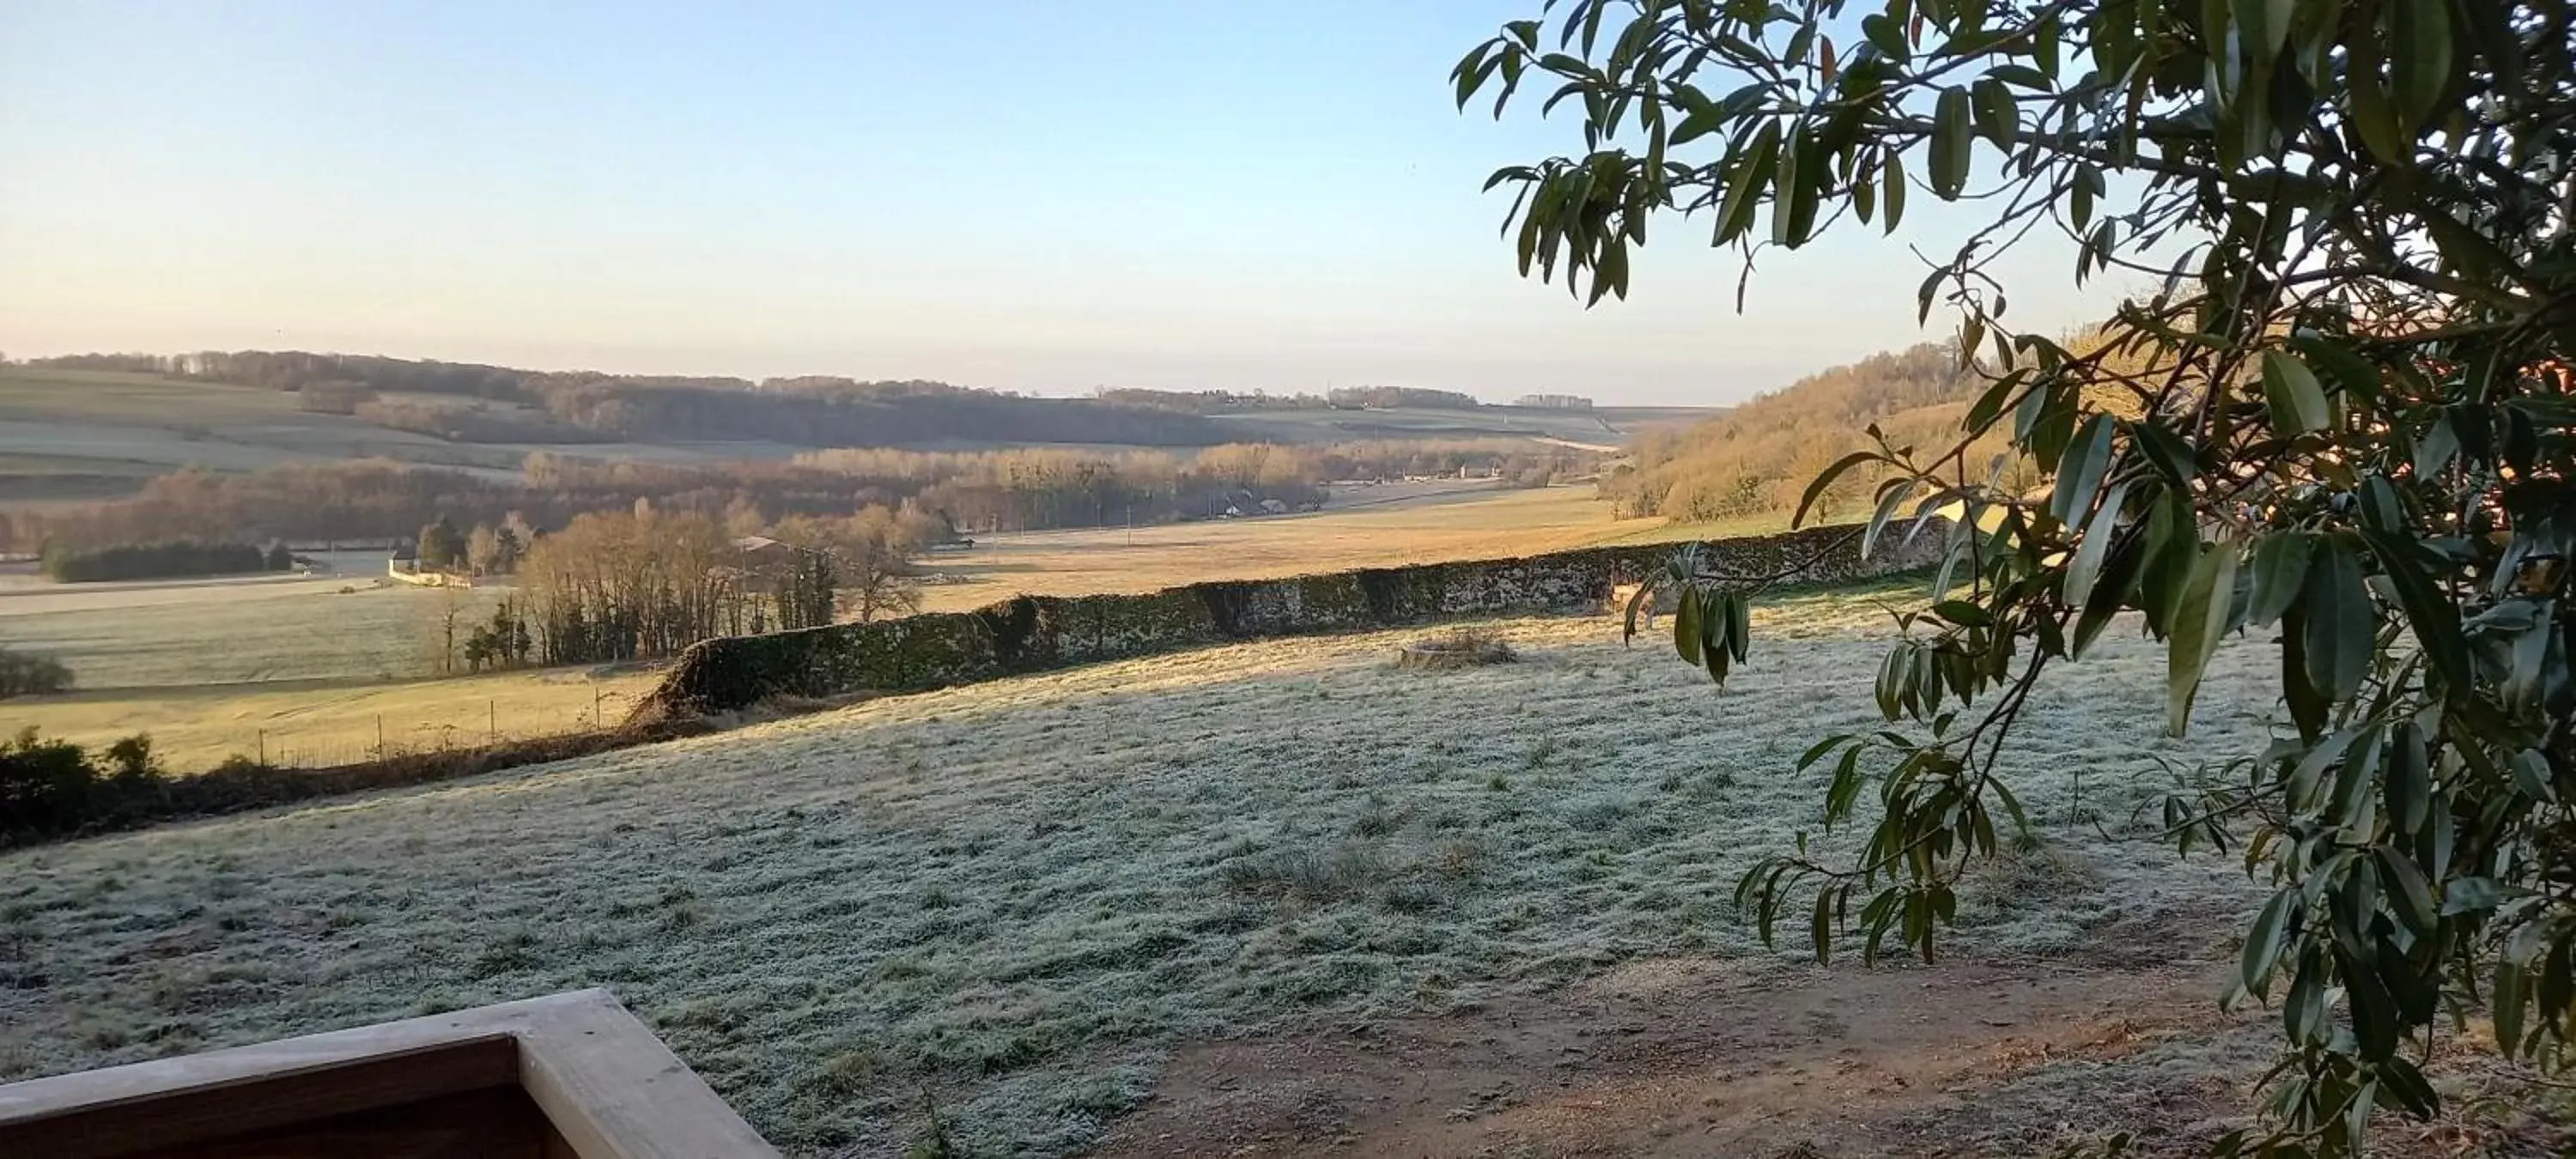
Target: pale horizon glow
[{"x": 1017, "y": 195}]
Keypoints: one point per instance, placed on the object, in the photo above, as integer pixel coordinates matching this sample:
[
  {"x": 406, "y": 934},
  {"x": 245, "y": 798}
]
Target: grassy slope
[
  {"x": 122, "y": 426},
  {"x": 1022, "y": 894}
]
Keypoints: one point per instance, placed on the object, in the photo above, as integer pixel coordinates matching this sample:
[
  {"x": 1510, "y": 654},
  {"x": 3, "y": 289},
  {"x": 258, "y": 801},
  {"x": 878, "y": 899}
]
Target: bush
[
  {"x": 135, "y": 561},
  {"x": 22, "y": 674},
  {"x": 50, "y": 787}
]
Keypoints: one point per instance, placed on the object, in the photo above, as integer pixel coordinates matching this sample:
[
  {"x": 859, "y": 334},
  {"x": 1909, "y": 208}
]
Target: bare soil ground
[
  {"x": 1708, "y": 1057},
  {"x": 1964, "y": 1057}
]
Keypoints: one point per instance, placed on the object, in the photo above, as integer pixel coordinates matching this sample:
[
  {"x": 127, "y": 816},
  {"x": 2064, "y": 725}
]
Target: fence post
[
  {"x": 595, "y": 721},
  {"x": 380, "y": 736},
  {"x": 263, "y": 746},
  {"x": 492, "y": 721}
]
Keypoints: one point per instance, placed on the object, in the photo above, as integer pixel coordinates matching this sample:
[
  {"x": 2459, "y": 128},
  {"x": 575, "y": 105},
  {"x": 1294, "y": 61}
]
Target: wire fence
[{"x": 360, "y": 738}]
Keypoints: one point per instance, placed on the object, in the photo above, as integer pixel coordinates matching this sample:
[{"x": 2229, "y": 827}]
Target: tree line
[
  {"x": 642, "y": 584},
  {"x": 469, "y": 402},
  {"x": 167, "y": 559},
  {"x": 1009, "y": 490},
  {"x": 1388, "y": 397},
  {"x": 1210, "y": 402},
  {"x": 1757, "y": 459}
]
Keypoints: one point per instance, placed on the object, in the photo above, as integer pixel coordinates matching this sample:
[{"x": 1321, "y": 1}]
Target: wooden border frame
[{"x": 610, "y": 1088}]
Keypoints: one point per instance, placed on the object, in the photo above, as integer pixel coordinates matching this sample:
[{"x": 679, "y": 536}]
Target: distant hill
[
  {"x": 470, "y": 403},
  {"x": 1759, "y": 457},
  {"x": 87, "y": 425}
]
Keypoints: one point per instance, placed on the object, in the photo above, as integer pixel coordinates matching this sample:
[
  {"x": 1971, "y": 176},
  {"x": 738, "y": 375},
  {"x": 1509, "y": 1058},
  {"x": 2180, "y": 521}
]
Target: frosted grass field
[{"x": 1017, "y": 898}]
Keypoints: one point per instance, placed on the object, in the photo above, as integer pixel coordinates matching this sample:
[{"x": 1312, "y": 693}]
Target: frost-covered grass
[{"x": 1015, "y": 897}]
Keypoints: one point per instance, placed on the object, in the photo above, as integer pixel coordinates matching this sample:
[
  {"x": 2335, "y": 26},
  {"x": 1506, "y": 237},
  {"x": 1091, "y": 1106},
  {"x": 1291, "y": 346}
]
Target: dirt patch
[{"x": 1699, "y": 1057}]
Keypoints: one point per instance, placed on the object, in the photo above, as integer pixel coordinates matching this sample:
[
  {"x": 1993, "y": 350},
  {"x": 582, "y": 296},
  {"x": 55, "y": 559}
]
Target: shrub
[
  {"x": 22, "y": 674},
  {"x": 135, "y": 561},
  {"x": 1458, "y": 648},
  {"x": 53, "y": 786}
]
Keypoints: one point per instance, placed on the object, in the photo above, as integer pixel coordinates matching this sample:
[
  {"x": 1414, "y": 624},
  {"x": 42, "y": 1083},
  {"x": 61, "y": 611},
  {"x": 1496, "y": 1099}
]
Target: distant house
[{"x": 758, "y": 550}]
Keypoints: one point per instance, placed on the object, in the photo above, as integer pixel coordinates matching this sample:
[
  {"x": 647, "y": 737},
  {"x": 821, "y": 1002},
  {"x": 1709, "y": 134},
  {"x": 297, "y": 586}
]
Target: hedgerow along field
[
  {"x": 320, "y": 675},
  {"x": 1015, "y": 902}
]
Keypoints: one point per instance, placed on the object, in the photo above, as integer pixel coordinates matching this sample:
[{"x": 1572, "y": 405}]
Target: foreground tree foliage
[{"x": 2340, "y": 421}]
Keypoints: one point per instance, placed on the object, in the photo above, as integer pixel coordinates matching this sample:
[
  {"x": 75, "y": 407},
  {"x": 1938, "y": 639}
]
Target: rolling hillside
[{"x": 77, "y": 435}]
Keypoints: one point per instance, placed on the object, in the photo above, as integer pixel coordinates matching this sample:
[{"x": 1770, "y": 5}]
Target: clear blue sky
[{"x": 1023, "y": 194}]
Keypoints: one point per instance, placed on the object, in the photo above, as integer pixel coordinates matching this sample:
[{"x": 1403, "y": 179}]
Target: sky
[{"x": 1026, "y": 195}]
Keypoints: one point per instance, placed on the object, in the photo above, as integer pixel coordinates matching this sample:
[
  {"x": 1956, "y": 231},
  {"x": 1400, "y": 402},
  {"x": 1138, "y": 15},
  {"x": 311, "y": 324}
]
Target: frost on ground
[{"x": 1013, "y": 900}]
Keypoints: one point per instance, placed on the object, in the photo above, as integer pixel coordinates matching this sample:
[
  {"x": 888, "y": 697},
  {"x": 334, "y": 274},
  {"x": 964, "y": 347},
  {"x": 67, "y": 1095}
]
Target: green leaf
[
  {"x": 2200, "y": 623},
  {"x": 1885, "y": 35},
  {"x": 1739, "y": 623},
  {"x": 1891, "y": 191},
  {"x": 2263, "y": 942},
  {"x": 2303, "y": 1012},
  {"x": 2339, "y": 639},
  {"x": 2420, "y": 33},
  {"x": 2307, "y": 704},
  {"x": 1749, "y": 180},
  {"x": 2412, "y": 898},
  {"x": 2531, "y": 775},
  {"x": 1824, "y": 479},
  {"x": 2409, "y": 781},
  {"x": 1990, "y": 402},
  {"x": 2110, "y": 593},
  {"x": 2374, "y": 1013},
  {"x": 2298, "y": 403},
  {"x": 1700, "y": 123},
  {"x": 2280, "y": 573},
  {"x": 1950, "y": 148},
  {"x": 2022, "y": 76},
  {"x": 2079, "y": 473},
  {"x": 2432, "y": 614},
  {"x": 2343, "y": 364},
  {"x": 1628, "y": 616},
  {"x": 1792, "y": 188},
  {"x": 2512, "y": 988},
  {"x": 2435, "y": 450},
  {"x": 1686, "y": 629},
  {"x": 2085, "y": 565},
  {"x": 1998, "y": 115},
  {"x": 2471, "y": 895},
  {"x": 2173, "y": 549},
  {"x": 2166, "y": 451}
]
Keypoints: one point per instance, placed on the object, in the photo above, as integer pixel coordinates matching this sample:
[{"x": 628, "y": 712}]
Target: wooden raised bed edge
[{"x": 606, "y": 1085}]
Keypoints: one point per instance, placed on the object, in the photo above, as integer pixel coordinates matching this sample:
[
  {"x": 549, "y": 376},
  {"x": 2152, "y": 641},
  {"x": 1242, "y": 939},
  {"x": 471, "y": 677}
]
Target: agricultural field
[
  {"x": 320, "y": 723},
  {"x": 1363, "y": 527},
  {"x": 231, "y": 631},
  {"x": 1268, "y": 899},
  {"x": 311, "y": 669},
  {"x": 301, "y": 671}
]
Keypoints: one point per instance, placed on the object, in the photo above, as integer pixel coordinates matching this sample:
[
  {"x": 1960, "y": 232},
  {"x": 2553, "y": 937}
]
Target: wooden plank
[
  {"x": 155, "y": 1107},
  {"x": 497, "y": 1123},
  {"x": 616, "y": 1092}
]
